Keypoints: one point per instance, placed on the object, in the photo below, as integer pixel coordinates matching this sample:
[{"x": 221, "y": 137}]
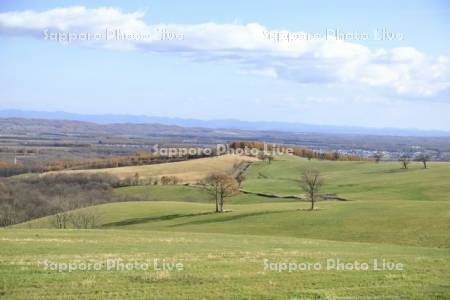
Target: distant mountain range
[{"x": 221, "y": 123}]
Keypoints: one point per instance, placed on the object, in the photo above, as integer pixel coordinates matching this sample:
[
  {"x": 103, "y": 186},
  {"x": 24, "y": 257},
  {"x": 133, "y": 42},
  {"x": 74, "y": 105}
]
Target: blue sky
[{"x": 223, "y": 67}]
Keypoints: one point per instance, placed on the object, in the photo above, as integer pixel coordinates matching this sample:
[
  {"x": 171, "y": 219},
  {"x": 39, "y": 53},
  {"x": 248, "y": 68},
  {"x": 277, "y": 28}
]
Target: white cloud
[{"x": 405, "y": 70}]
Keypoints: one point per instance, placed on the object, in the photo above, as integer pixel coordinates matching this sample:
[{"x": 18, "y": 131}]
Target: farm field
[
  {"x": 189, "y": 171},
  {"x": 399, "y": 216}
]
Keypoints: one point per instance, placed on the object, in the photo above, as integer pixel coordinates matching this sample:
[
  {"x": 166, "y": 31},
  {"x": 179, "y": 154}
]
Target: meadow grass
[
  {"x": 355, "y": 180},
  {"x": 406, "y": 223},
  {"x": 398, "y": 215},
  {"x": 215, "y": 266}
]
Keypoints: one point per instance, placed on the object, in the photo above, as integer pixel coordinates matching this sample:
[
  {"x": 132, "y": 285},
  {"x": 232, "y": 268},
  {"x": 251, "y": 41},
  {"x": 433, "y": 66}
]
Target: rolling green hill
[
  {"x": 355, "y": 180},
  {"x": 393, "y": 214}
]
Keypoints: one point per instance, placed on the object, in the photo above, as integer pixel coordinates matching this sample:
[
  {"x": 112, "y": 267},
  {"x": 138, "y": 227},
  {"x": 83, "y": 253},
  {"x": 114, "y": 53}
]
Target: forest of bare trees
[{"x": 23, "y": 199}]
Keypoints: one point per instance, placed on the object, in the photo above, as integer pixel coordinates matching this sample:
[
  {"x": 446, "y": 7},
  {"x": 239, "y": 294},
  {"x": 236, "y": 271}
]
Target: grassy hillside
[
  {"x": 416, "y": 223},
  {"x": 187, "y": 171},
  {"x": 185, "y": 193},
  {"x": 355, "y": 180},
  {"x": 215, "y": 266},
  {"x": 392, "y": 214},
  {"x": 388, "y": 204}
]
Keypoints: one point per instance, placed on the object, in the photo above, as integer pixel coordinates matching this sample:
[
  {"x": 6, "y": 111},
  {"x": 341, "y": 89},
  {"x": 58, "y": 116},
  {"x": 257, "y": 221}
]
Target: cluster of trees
[
  {"x": 80, "y": 219},
  {"x": 23, "y": 199},
  {"x": 267, "y": 157},
  {"x": 298, "y": 151},
  {"x": 165, "y": 180},
  {"x": 137, "y": 180},
  {"x": 378, "y": 156},
  {"x": 21, "y": 151},
  {"x": 406, "y": 159},
  {"x": 140, "y": 158},
  {"x": 8, "y": 168}
]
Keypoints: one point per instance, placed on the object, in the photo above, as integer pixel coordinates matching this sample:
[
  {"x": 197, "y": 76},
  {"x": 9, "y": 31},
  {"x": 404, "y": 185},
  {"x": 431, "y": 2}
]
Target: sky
[{"x": 353, "y": 63}]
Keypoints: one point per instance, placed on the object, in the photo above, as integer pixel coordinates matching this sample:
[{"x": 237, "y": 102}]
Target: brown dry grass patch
[{"x": 189, "y": 171}]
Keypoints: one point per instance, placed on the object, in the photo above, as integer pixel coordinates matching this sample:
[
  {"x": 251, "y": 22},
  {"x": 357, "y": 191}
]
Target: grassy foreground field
[
  {"x": 215, "y": 266},
  {"x": 399, "y": 216}
]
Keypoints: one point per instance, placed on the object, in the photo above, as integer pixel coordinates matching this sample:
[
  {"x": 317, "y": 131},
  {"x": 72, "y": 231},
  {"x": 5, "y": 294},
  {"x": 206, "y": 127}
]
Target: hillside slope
[
  {"x": 189, "y": 171},
  {"x": 386, "y": 204}
]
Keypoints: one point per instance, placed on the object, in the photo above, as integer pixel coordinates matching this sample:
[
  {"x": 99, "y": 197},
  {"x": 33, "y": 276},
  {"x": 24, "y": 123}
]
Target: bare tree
[
  {"x": 424, "y": 158},
  {"x": 378, "y": 156},
  {"x": 165, "y": 180},
  {"x": 220, "y": 186},
  {"x": 61, "y": 211},
  {"x": 175, "y": 180},
  {"x": 137, "y": 179},
  {"x": 8, "y": 213},
  {"x": 60, "y": 219},
  {"x": 265, "y": 156},
  {"x": 335, "y": 156},
  {"x": 240, "y": 178},
  {"x": 310, "y": 183},
  {"x": 405, "y": 161},
  {"x": 85, "y": 218},
  {"x": 309, "y": 155}
]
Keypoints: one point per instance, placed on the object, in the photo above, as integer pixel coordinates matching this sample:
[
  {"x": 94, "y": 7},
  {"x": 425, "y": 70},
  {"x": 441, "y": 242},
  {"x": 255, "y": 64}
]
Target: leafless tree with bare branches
[
  {"x": 378, "y": 156},
  {"x": 423, "y": 158},
  {"x": 405, "y": 161},
  {"x": 220, "y": 186},
  {"x": 240, "y": 178},
  {"x": 311, "y": 182}
]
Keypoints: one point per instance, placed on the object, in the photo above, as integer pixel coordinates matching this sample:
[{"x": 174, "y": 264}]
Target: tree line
[
  {"x": 140, "y": 158},
  {"x": 145, "y": 158},
  {"x": 8, "y": 168},
  {"x": 296, "y": 150}
]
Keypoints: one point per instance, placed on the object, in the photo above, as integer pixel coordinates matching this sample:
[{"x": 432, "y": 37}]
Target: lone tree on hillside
[
  {"x": 311, "y": 182},
  {"x": 335, "y": 156},
  {"x": 309, "y": 155},
  {"x": 240, "y": 178},
  {"x": 265, "y": 156},
  {"x": 378, "y": 156},
  {"x": 424, "y": 158},
  {"x": 405, "y": 160},
  {"x": 220, "y": 186}
]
